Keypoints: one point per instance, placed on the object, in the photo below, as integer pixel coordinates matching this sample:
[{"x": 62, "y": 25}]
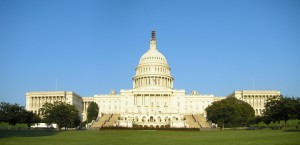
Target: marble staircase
[
  {"x": 112, "y": 122},
  {"x": 101, "y": 121},
  {"x": 202, "y": 121},
  {"x": 192, "y": 123}
]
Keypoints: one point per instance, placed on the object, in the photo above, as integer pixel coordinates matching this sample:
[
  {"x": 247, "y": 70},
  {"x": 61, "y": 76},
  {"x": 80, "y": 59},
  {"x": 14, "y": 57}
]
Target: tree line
[
  {"x": 63, "y": 114},
  {"x": 230, "y": 112},
  {"x": 237, "y": 113},
  {"x": 281, "y": 108},
  {"x": 14, "y": 113}
]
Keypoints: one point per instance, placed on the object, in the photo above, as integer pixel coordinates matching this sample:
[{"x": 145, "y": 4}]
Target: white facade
[
  {"x": 36, "y": 100},
  {"x": 152, "y": 101}
]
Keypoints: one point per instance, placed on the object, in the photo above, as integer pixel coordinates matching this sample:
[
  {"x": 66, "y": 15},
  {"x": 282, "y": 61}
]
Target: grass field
[{"x": 131, "y": 137}]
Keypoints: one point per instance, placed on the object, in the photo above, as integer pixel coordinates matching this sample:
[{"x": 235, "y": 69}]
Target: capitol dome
[
  {"x": 153, "y": 69},
  {"x": 153, "y": 56}
]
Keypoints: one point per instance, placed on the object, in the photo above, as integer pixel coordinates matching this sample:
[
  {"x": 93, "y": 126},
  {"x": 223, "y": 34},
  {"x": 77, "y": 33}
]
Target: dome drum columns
[{"x": 148, "y": 81}]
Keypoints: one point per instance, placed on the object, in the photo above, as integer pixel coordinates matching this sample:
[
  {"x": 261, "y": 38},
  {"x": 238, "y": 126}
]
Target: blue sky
[{"x": 92, "y": 47}]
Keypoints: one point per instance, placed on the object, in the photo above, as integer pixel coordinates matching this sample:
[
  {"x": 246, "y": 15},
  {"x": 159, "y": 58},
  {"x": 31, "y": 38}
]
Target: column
[
  {"x": 139, "y": 102},
  {"x": 143, "y": 100},
  {"x": 257, "y": 100},
  {"x": 43, "y": 101},
  {"x": 166, "y": 82},
  {"x": 154, "y": 97},
  {"x": 83, "y": 107},
  {"x": 38, "y": 102},
  {"x": 158, "y": 81},
  {"x": 31, "y": 99},
  {"x": 140, "y": 81},
  {"x": 254, "y": 100},
  {"x": 83, "y": 110},
  {"x": 133, "y": 83},
  {"x": 35, "y": 104},
  {"x": 161, "y": 101},
  {"x": 86, "y": 105}
]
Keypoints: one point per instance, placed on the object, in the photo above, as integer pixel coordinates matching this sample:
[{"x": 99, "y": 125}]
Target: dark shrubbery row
[{"x": 149, "y": 128}]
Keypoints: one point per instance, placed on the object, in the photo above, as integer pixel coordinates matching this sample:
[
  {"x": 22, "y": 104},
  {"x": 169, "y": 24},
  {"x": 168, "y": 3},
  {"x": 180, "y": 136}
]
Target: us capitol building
[{"x": 152, "y": 102}]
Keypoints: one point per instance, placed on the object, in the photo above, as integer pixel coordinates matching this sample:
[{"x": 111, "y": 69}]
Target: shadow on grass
[
  {"x": 292, "y": 130},
  {"x": 26, "y": 133}
]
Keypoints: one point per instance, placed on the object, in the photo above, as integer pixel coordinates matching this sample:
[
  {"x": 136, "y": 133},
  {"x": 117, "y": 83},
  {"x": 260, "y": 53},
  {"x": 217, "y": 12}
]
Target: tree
[
  {"x": 282, "y": 108},
  {"x": 258, "y": 119},
  {"x": 271, "y": 111},
  {"x": 63, "y": 114},
  {"x": 30, "y": 118},
  {"x": 3, "y": 111},
  {"x": 230, "y": 111},
  {"x": 92, "y": 111},
  {"x": 11, "y": 113},
  {"x": 298, "y": 107},
  {"x": 266, "y": 119}
]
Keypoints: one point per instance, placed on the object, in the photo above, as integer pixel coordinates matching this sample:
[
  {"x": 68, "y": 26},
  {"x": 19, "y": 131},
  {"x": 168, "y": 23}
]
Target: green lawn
[{"x": 131, "y": 137}]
